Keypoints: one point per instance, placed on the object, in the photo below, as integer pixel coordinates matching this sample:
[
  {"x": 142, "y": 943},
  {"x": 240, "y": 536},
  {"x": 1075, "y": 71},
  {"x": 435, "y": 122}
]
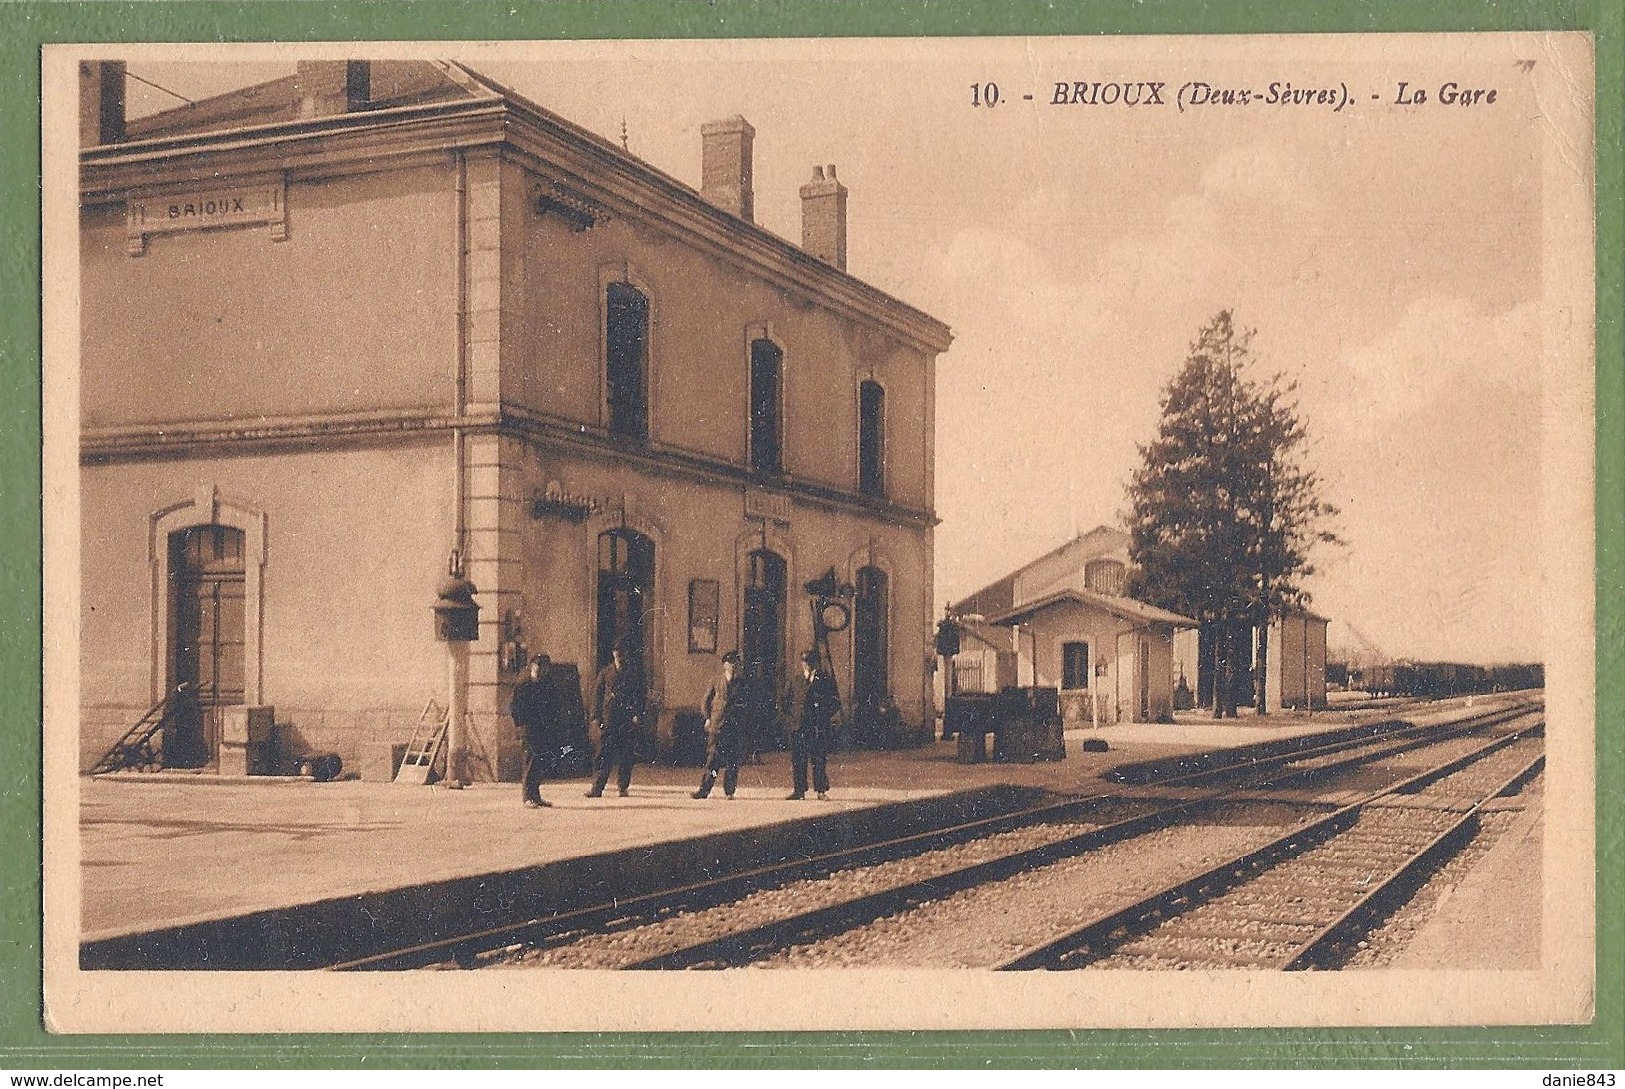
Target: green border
[{"x": 24, "y": 27}]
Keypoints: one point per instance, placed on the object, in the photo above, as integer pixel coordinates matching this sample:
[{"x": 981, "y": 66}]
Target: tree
[{"x": 1224, "y": 509}]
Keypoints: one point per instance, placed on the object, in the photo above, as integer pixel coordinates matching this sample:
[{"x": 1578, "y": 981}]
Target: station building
[
  {"x": 343, "y": 326},
  {"x": 1065, "y": 621}
]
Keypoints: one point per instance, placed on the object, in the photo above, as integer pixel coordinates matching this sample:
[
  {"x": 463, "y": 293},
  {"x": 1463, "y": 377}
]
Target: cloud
[
  {"x": 1424, "y": 410},
  {"x": 1239, "y": 185},
  {"x": 1434, "y": 424},
  {"x": 1064, "y": 343},
  {"x": 1441, "y": 351}
]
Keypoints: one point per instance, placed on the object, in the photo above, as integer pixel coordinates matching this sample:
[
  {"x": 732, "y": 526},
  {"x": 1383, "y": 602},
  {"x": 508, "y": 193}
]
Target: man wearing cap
[
  {"x": 618, "y": 706},
  {"x": 725, "y": 710},
  {"x": 532, "y": 711},
  {"x": 813, "y": 703}
]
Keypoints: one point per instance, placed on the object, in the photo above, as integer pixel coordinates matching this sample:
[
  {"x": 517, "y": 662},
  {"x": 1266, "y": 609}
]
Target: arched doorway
[
  {"x": 207, "y": 592},
  {"x": 626, "y": 581},
  {"x": 871, "y": 666},
  {"x": 762, "y": 648}
]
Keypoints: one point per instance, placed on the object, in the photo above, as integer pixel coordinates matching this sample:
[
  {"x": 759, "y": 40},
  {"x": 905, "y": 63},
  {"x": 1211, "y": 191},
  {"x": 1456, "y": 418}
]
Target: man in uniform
[
  {"x": 618, "y": 705},
  {"x": 533, "y": 712},
  {"x": 813, "y": 704},
  {"x": 725, "y": 708}
]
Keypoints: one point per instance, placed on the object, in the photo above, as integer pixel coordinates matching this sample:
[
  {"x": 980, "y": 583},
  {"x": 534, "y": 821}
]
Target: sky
[{"x": 1389, "y": 257}]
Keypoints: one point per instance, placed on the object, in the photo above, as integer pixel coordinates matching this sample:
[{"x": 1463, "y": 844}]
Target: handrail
[{"x": 134, "y": 743}]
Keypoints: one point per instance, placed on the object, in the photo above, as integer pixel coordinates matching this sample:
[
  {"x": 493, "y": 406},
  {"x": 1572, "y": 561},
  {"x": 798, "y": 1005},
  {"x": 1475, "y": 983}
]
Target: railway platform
[
  {"x": 186, "y": 855},
  {"x": 1484, "y": 922}
]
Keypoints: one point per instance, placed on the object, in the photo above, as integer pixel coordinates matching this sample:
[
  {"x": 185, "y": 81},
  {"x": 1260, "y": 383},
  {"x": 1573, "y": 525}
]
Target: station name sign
[
  {"x": 205, "y": 208},
  {"x": 766, "y": 505},
  {"x": 555, "y": 502}
]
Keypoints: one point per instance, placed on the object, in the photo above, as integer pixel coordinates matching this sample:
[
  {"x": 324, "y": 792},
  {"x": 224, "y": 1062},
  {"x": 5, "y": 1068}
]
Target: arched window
[
  {"x": 766, "y": 407},
  {"x": 1104, "y": 577},
  {"x": 626, "y": 361},
  {"x": 872, "y": 440},
  {"x": 871, "y": 681},
  {"x": 626, "y": 583},
  {"x": 207, "y": 583}
]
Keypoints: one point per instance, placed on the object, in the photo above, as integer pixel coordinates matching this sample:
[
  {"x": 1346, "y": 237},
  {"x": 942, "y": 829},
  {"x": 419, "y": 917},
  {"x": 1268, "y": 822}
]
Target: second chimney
[
  {"x": 823, "y": 217},
  {"x": 101, "y": 102},
  {"x": 333, "y": 87},
  {"x": 725, "y": 170}
]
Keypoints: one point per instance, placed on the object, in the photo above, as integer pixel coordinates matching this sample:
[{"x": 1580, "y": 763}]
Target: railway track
[
  {"x": 1305, "y": 899},
  {"x": 684, "y": 927},
  {"x": 701, "y": 924},
  {"x": 814, "y": 936}
]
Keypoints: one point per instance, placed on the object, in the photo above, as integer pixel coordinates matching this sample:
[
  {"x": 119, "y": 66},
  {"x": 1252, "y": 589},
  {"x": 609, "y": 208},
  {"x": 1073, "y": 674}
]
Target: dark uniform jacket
[
  {"x": 534, "y": 708},
  {"x": 726, "y": 708},
  {"x": 618, "y": 700},
  {"x": 812, "y": 705}
]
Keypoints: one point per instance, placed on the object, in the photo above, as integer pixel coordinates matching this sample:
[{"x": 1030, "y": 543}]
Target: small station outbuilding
[{"x": 1068, "y": 624}]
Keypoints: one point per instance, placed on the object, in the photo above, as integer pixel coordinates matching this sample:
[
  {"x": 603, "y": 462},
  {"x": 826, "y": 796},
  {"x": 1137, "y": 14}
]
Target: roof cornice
[
  {"x": 1127, "y": 608},
  {"x": 382, "y": 139},
  {"x": 644, "y": 191},
  {"x": 110, "y": 171}
]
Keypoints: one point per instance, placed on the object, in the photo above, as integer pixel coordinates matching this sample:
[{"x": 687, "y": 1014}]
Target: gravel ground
[
  {"x": 1472, "y": 782},
  {"x": 614, "y": 950},
  {"x": 1265, "y": 920},
  {"x": 984, "y": 926},
  {"x": 1383, "y": 945}
]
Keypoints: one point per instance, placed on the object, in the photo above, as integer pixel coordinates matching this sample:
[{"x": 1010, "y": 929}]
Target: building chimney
[
  {"x": 823, "y": 217},
  {"x": 725, "y": 166},
  {"x": 101, "y": 102},
  {"x": 332, "y": 87}
]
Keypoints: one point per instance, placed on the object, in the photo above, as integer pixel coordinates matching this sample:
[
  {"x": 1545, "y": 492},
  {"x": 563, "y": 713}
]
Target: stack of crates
[
  {"x": 1029, "y": 726},
  {"x": 970, "y": 717}
]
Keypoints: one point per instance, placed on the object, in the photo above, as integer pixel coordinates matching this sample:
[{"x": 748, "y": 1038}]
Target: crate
[
  {"x": 380, "y": 760},
  {"x": 968, "y": 711},
  {"x": 1029, "y": 741},
  {"x": 972, "y": 747}
]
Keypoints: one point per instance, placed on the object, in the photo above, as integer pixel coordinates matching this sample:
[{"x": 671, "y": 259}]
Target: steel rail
[
  {"x": 751, "y": 943},
  {"x": 1099, "y": 935},
  {"x": 743, "y": 946},
  {"x": 545, "y": 931},
  {"x": 1401, "y": 740},
  {"x": 1330, "y": 946},
  {"x": 541, "y": 931}
]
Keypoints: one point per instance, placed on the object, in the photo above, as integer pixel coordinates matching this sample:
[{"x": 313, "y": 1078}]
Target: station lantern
[{"x": 456, "y": 614}]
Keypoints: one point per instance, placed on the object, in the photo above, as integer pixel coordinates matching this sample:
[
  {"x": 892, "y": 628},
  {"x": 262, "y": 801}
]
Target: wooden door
[
  {"x": 208, "y": 638},
  {"x": 762, "y": 645}
]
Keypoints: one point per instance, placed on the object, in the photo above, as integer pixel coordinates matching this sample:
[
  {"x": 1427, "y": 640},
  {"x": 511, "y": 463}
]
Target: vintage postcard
[{"x": 815, "y": 534}]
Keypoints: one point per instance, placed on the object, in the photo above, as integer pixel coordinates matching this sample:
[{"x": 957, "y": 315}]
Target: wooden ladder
[{"x": 427, "y": 737}]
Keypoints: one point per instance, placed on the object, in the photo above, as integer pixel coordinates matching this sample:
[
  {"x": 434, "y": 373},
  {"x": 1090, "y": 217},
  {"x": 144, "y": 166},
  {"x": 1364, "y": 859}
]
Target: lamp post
[
  {"x": 827, "y": 597},
  {"x": 457, "y": 624}
]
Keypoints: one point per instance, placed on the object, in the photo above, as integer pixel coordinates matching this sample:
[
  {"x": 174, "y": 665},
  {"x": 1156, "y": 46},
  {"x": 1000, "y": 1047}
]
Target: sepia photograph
[{"x": 820, "y": 534}]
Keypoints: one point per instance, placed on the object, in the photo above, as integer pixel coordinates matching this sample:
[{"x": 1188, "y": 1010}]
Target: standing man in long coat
[
  {"x": 533, "y": 713},
  {"x": 619, "y": 702},
  {"x": 813, "y": 704},
  {"x": 726, "y": 709}
]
